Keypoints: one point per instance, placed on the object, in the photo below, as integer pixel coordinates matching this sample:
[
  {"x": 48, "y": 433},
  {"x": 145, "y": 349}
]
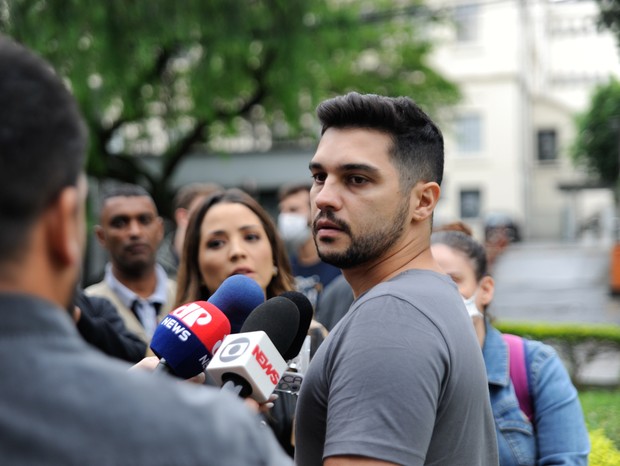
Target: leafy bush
[
  {"x": 601, "y": 409},
  {"x": 603, "y": 452}
]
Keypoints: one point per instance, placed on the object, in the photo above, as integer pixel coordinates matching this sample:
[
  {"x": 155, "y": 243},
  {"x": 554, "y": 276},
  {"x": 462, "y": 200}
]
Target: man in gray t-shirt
[
  {"x": 400, "y": 379},
  {"x": 402, "y": 356}
]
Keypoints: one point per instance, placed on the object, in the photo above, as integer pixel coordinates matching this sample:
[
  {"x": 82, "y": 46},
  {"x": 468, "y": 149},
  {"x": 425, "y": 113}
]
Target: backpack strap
[{"x": 518, "y": 372}]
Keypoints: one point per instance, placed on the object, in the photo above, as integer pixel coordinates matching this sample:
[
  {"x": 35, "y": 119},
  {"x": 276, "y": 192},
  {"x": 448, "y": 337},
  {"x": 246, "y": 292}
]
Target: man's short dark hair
[
  {"x": 116, "y": 189},
  {"x": 186, "y": 194},
  {"x": 43, "y": 142},
  {"x": 289, "y": 189},
  {"x": 417, "y": 149}
]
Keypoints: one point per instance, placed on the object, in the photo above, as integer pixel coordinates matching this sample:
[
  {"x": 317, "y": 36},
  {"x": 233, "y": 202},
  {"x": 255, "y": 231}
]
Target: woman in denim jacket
[{"x": 556, "y": 433}]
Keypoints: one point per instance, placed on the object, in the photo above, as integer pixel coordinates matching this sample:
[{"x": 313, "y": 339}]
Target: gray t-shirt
[{"x": 401, "y": 379}]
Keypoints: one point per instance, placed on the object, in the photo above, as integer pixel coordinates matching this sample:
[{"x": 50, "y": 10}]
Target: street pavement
[
  {"x": 559, "y": 282},
  {"x": 555, "y": 282}
]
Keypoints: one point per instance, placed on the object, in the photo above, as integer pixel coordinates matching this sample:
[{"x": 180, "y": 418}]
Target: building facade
[{"x": 525, "y": 68}]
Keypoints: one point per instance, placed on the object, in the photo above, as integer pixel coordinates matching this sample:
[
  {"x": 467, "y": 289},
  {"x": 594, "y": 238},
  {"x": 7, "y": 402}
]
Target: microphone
[
  {"x": 306, "y": 312},
  {"x": 251, "y": 362},
  {"x": 186, "y": 339},
  {"x": 237, "y": 297}
]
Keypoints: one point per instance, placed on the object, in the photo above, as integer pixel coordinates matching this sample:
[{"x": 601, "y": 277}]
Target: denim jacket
[{"x": 558, "y": 433}]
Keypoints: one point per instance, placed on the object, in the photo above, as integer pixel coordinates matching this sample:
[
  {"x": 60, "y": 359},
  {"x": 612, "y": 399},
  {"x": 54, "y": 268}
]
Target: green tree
[
  {"x": 168, "y": 78},
  {"x": 610, "y": 15},
  {"x": 597, "y": 144}
]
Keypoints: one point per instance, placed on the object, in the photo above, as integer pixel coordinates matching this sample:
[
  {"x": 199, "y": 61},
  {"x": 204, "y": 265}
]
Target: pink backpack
[{"x": 518, "y": 373}]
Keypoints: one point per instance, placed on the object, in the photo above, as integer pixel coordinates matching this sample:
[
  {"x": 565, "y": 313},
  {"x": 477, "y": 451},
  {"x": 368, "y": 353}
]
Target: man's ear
[
  {"x": 160, "y": 229},
  {"x": 62, "y": 229},
  {"x": 100, "y": 234},
  {"x": 424, "y": 198},
  {"x": 486, "y": 290},
  {"x": 181, "y": 216}
]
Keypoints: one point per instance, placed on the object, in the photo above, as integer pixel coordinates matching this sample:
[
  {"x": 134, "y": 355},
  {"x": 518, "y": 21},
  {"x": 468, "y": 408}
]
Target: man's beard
[{"x": 364, "y": 248}]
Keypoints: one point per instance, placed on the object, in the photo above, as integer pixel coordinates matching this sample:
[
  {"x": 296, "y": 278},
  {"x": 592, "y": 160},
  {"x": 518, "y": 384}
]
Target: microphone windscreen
[
  {"x": 279, "y": 318},
  {"x": 306, "y": 312},
  {"x": 236, "y": 297},
  {"x": 188, "y": 337}
]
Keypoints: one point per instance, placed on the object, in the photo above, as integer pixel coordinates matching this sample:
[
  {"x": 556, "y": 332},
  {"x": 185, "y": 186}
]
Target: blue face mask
[{"x": 472, "y": 309}]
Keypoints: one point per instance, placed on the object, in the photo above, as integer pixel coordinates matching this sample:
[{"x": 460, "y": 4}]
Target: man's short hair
[
  {"x": 43, "y": 141},
  {"x": 116, "y": 189},
  {"x": 186, "y": 194},
  {"x": 289, "y": 189},
  {"x": 417, "y": 149}
]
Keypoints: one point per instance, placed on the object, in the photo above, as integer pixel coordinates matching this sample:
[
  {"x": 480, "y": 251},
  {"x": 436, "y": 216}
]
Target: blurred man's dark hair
[{"x": 43, "y": 140}]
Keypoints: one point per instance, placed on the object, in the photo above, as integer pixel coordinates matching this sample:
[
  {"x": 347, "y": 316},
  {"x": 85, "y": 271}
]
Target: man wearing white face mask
[{"x": 312, "y": 275}]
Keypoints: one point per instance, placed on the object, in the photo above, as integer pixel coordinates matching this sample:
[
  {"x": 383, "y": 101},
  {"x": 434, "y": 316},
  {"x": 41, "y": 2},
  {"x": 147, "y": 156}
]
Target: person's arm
[
  {"x": 101, "y": 326},
  {"x": 561, "y": 433}
]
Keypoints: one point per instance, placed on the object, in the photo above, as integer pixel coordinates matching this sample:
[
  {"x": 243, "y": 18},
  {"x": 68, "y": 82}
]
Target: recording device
[
  {"x": 186, "y": 339},
  {"x": 251, "y": 362},
  {"x": 237, "y": 297}
]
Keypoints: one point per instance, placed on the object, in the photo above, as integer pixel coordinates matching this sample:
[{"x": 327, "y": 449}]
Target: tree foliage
[
  {"x": 167, "y": 78},
  {"x": 597, "y": 145},
  {"x": 610, "y": 15}
]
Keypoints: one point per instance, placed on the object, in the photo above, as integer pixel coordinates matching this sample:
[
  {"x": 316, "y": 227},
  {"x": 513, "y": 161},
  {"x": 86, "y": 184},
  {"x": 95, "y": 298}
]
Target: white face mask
[
  {"x": 294, "y": 229},
  {"x": 472, "y": 309}
]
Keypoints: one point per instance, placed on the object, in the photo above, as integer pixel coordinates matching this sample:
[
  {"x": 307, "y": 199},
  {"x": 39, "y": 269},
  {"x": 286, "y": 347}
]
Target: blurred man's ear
[{"x": 62, "y": 228}]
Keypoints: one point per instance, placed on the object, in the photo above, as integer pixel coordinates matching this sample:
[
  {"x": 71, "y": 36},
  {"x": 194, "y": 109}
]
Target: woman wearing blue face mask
[{"x": 555, "y": 431}]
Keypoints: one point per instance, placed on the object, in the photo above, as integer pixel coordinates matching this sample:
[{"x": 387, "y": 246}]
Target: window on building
[
  {"x": 470, "y": 203},
  {"x": 469, "y": 133},
  {"x": 547, "y": 145},
  {"x": 466, "y": 22}
]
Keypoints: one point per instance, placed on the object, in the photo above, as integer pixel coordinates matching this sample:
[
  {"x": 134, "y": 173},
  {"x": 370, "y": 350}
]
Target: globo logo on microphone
[{"x": 234, "y": 349}]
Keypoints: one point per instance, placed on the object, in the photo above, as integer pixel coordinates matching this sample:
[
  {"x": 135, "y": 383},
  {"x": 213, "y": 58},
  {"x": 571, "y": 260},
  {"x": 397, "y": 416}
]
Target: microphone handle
[
  {"x": 163, "y": 368},
  {"x": 230, "y": 386},
  {"x": 237, "y": 384}
]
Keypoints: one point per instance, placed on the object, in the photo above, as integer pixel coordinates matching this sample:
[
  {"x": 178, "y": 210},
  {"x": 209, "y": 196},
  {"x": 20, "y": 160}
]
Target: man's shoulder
[
  {"x": 411, "y": 285},
  {"x": 143, "y": 415},
  {"x": 98, "y": 289}
]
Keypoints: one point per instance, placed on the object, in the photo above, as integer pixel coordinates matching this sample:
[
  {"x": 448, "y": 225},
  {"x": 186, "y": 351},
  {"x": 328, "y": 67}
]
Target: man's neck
[
  {"x": 410, "y": 256},
  {"x": 143, "y": 285}
]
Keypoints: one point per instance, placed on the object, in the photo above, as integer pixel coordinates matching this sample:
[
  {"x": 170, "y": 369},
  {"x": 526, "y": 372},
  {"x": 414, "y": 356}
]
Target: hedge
[{"x": 577, "y": 343}]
